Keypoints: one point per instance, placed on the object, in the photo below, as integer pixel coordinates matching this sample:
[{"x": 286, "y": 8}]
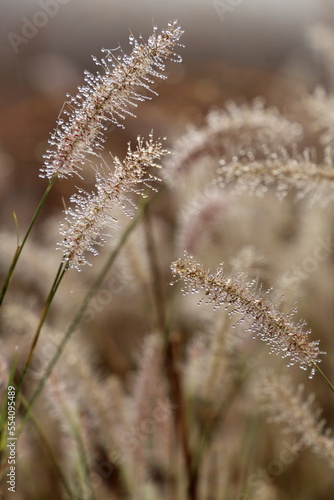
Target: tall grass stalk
[{"x": 85, "y": 303}]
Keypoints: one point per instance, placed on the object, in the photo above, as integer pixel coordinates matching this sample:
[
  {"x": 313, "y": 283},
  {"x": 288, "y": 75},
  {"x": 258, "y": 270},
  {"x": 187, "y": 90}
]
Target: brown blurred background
[{"x": 234, "y": 49}]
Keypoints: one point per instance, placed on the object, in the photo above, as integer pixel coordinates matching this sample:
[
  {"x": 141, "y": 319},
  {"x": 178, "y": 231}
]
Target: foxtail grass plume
[
  {"x": 107, "y": 97},
  {"x": 226, "y": 131},
  {"x": 283, "y": 172},
  {"x": 92, "y": 212},
  {"x": 145, "y": 393},
  {"x": 267, "y": 321}
]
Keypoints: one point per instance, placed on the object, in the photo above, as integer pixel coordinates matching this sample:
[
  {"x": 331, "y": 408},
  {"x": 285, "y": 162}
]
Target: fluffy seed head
[
  {"x": 92, "y": 212},
  {"x": 282, "y": 171},
  {"x": 226, "y": 132},
  {"x": 106, "y": 97},
  {"x": 274, "y": 327}
]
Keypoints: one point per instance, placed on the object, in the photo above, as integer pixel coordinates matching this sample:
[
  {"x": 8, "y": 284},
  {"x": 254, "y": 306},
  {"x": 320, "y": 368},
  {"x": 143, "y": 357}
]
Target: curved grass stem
[
  {"x": 328, "y": 382},
  {"x": 59, "y": 276},
  {"x": 20, "y": 247}
]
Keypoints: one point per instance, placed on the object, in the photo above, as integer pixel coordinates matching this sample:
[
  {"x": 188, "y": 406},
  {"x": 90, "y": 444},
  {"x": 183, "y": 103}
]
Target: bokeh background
[{"x": 234, "y": 49}]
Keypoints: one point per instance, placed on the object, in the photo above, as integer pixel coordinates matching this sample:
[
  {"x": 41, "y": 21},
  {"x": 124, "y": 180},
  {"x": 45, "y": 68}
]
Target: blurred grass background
[{"x": 259, "y": 48}]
